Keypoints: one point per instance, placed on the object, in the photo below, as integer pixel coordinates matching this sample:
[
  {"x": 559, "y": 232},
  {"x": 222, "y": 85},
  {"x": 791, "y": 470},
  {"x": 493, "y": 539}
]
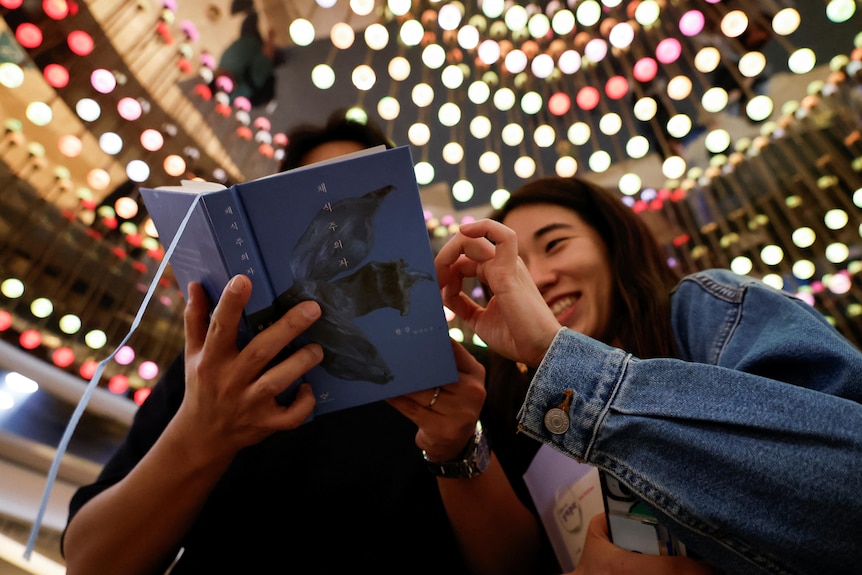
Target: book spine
[{"x": 241, "y": 255}]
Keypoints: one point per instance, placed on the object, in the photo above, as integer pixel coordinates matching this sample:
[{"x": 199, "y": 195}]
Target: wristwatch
[{"x": 473, "y": 460}]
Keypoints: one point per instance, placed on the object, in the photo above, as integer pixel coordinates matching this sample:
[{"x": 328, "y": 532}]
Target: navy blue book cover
[{"x": 351, "y": 235}]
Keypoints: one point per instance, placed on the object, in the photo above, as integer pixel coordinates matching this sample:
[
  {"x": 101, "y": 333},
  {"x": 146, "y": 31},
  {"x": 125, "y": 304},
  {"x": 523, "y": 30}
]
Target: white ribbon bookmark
[{"x": 93, "y": 383}]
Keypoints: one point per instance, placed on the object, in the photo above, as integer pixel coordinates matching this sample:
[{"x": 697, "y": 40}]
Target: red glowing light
[
  {"x": 28, "y": 35},
  {"x": 244, "y": 132},
  {"x": 141, "y": 395},
  {"x": 30, "y": 339},
  {"x": 118, "y": 384},
  {"x": 88, "y": 369},
  {"x": 5, "y": 320},
  {"x": 80, "y": 42},
  {"x": 616, "y": 87},
  {"x": 56, "y": 9},
  {"x": 11, "y": 4},
  {"x": 587, "y": 98},
  {"x": 559, "y": 104},
  {"x": 645, "y": 69},
  {"x": 63, "y": 357},
  {"x": 56, "y": 75}
]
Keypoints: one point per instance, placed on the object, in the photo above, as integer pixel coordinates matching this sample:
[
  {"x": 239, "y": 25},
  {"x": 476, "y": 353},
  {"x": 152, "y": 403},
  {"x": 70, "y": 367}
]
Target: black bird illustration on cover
[{"x": 326, "y": 267}]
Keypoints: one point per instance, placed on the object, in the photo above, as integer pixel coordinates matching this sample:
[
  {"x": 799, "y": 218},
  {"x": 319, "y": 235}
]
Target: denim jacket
[{"x": 748, "y": 447}]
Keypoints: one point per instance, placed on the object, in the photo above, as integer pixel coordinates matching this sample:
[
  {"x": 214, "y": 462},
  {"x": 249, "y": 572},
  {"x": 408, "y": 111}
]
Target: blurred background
[{"x": 732, "y": 128}]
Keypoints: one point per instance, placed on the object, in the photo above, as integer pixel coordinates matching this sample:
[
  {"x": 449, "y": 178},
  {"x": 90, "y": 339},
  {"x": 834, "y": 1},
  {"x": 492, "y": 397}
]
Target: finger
[
  {"x": 196, "y": 317},
  {"x": 298, "y": 411},
  {"x": 503, "y": 238},
  {"x": 222, "y": 331},
  {"x": 280, "y": 376},
  {"x": 268, "y": 343}
]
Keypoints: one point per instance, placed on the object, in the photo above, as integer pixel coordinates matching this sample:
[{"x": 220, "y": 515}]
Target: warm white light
[
  {"x": 544, "y": 136},
  {"x": 599, "y": 161},
  {"x": 452, "y": 77},
  {"x": 804, "y": 269},
  {"x": 803, "y": 237},
  {"x": 714, "y": 100},
  {"x": 802, "y": 61},
  {"x": 363, "y": 77},
  {"x": 579, "y": 133},
  {"x": 449, "y": 114},
  {"x": 679, "y": 87},
  {"x": 630, "y": 184},
  {"x": 596, "y": 50},
  {"x": 539, "y": 25},
  {"x": 563, "y": 22},
  {"x": 569, "y": 62},
  {"x": 489, "y": 162},
  {"x": 41, "y": 307},
  {"x": 837, "y": 252},
  {"x": 422, "y": 94},
  {"x": 717, "y": 141},
  {"x": 399, "y": 7},
  {"x": 707, "y": 59},
  {"x": 468, "y": 37},
  {"x": 645, "y": 109},
  {"x": 637, "y": 147},
  {"x": 362, "y": 7},
  {"x": 499, "y": 198},
  {"x": 566, "y": 166},
  {"x": 679, "y": 125},
  {"x": 836, "y": 219},
  {"x": 531, "y": 103},
  {"x": 453, "y": 153},
  {"x": 419, "y": 134},
  {"x": 411, "y": 32},
  {"x": 647, "y": 13},
  {"x": 376, "y": 36},
  {"x": 95, "y": 339},
  {"x": 512, "y": 134},
  {"x": 759, "y": 108},
  {"x": 734, "y": 23},
  {"x": 515, "y": 17},
  {"x": 752, "y": 64},
  {"x": 137, "y": 170},
  {"x": 741, "y": 265},
  {"x": 301, "y": 32},
  {"x": 342, "y": 35},
  {"x": 388, "y": 108},
  {"x": 610, "y": 124},
  {"x": 673, "y": 167},
  {"x": 424, "y": 173},
  {"x": 480, "y": 127},
  {"x": 433, "y": 56},
  {"x": 111, "y": 143},
  {"x": 542, "y": 66},
  {"x": 621, "y": 35},
  {"x": 449, "y": 16},
  {"x": 478, "y": 92},
  {"x": 399, "y": 68},
  {"x": 504, "y": 99},
  {"x": 323, "y": 76},
  {"x": 771, "y": 255},
  {"x": 493, "y": 8},
  {"x": 39, "y": 113},
  {"x": 525, "y": 167},
  {"x": 462, "y": 191},
  {"x": 588, "y": 13},
  {"x": 489, "y": 52},
  {"x": 786, "y": 21}
]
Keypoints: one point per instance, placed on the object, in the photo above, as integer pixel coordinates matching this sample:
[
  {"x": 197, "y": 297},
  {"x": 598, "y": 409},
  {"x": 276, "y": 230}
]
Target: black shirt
[{"x": 345, "y": 492}]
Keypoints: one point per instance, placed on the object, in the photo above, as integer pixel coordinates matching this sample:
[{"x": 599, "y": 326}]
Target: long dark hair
[{"x": 642, "y": 278}]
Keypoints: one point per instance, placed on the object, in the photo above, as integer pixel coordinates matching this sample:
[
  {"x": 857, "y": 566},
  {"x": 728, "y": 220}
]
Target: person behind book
[
  {"x": 214, "y": 470},
  {"x": 730, "y": 408}
]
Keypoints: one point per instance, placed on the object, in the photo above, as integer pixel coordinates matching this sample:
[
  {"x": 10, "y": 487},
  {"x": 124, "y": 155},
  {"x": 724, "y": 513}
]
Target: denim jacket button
[{"x": 556, "y": 421}]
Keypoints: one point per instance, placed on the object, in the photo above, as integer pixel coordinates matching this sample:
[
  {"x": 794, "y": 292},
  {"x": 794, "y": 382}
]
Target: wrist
[{"x": 472, "y": 461}]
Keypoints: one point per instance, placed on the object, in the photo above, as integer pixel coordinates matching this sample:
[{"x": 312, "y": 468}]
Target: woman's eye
[{"x": 553, "y": 243}]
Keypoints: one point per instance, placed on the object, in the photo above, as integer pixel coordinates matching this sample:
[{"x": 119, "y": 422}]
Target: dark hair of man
[
  {"x": 642, "y": 280},
  {"x": 338, "y": 128}
]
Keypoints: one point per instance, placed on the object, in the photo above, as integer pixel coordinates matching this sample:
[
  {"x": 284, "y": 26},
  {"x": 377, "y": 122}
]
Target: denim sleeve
[{"x": 757, "y": 474}]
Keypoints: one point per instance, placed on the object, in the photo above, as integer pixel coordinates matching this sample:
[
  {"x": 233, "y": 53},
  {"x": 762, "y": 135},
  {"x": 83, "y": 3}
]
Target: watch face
[{"x": 556, "y": 421}]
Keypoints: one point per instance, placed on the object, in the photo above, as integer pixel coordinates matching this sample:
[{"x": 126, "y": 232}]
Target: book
[
  {"x": 348, "y": 233},
  {"x": 568, "y": 494}
]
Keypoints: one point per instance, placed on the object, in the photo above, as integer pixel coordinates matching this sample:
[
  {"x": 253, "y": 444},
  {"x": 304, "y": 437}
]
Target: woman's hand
[
  {"x": 601, "y": 557},
  {"x": 230, "y": 397},
  {"x": 447, "y": 415},
  {"x": 516, "y": 322}
]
